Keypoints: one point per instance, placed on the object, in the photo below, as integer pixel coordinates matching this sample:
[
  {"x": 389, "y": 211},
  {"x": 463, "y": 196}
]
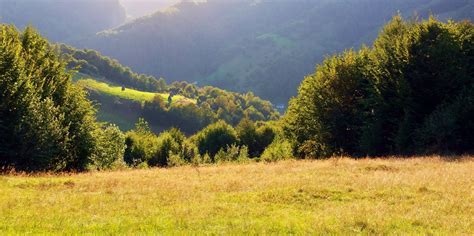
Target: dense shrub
[
  {"x": 110, "y": 148},
  {"x": 190, "y": 153},
  {"x": 170, "y": 143},
  {"x": 141, "y": 144},
  {"x": 254, "y": 137},
  {"x": 214, "y": 138},
  {"x": 280, "y": 149},
  {"x": 232, "y": 153}
]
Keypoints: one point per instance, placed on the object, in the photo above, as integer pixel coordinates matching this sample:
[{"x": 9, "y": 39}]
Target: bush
[
  {"x": 175, "y": 160},
  {"x": 110, "y": 148},
  {"x": 190, "y": 153},
  {"x": 280, "y": 149},
  {"x": 256, "y": 139},
  {"x": 141, "y": 144},
  {"x": 247, "y": 132},
  {"x": 167, "y": 145},
  {"x": 214, "y": 138},
  {"x": 232, "y": 154},
  {"x": 266, "y": 134}
]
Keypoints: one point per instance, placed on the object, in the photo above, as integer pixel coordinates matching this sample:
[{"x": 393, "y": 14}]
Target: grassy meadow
[
  {"x": 335, "y": 196},
  {"x": 129, "y": 94}
]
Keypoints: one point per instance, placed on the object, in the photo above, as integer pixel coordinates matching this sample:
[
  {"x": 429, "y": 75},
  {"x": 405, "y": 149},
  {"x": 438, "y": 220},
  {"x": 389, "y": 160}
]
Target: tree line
[{"x": 92, "y": 63}]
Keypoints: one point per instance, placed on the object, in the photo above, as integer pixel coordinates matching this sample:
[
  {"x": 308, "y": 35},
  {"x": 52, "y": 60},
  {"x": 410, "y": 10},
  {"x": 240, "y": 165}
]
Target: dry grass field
[{"x": 336, "y": 196}]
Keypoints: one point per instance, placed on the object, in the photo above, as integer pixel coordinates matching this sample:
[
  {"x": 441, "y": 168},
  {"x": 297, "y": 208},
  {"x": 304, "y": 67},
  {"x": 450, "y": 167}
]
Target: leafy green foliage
[
  {"x": 214, "y": 138},
  {"x": 170, "y": 144},
  {"x": 46, "y": 123},
  {"x": 280, "y": 149},
  {"x": 232, "y": 153},
  {"x": 212, "y": 104},
  {"x": 110, "y": 148},
  {"x": 141, "y": 144},
  {"x": 179, "y": 104},
  {"x": 391, "y": 98},
  {"x": 256, "y": 139}
]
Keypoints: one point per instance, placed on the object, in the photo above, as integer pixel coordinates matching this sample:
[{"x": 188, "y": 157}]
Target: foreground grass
[
  {"x": 396, "y": 196},
  {"x": 129, "y": 94}
]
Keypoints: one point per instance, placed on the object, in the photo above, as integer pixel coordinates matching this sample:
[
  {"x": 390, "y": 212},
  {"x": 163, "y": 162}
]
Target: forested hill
[
  {"x": 262, "y": 46},
  {"x": 123, "y": 96},
  {"x": 63, "y": 20}
]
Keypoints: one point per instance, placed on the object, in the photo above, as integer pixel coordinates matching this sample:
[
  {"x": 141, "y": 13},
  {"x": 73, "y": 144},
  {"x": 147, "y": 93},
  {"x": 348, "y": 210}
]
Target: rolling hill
[
  {"x": 123, "y": 96},
  {"x": 262, "y": 46}
]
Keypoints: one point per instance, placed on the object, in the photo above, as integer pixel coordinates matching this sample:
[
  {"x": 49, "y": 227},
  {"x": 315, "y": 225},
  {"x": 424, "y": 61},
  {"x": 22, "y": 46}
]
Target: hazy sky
[{"x": 137, "y": 8}]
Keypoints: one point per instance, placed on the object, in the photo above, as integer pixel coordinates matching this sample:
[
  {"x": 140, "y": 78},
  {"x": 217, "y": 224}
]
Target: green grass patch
[{"x": 129, "y": 94}]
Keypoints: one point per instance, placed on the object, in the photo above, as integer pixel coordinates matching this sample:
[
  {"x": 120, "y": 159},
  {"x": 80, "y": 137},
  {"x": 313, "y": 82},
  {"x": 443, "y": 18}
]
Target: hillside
[
  {"x": 424, "y": 196},
  {"x": 262, "y": 46},
  {"x": 123, "y": 96},
  {"x": 63, "y": 21}
]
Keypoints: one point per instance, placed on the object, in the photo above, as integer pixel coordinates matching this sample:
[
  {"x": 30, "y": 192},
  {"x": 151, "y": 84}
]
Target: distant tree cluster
[
  {"x": 212, "y": 104},
  {"x": 91, "y": 63},
  {"x": 412, "y": 92}
]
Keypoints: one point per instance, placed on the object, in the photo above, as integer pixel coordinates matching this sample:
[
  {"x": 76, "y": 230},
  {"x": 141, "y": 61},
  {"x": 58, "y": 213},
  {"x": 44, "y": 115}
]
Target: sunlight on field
[
  {"x": 130, "y": 94},
  {"x": 397, "y": 196}
]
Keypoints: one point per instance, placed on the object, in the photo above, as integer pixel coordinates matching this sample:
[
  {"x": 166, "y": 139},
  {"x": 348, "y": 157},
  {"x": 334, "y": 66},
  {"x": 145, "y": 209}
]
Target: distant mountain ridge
[
  {"x": 262, "y": 46},
  {"x": 63, "y": 20},
  {"x": 139, "y": 8}
]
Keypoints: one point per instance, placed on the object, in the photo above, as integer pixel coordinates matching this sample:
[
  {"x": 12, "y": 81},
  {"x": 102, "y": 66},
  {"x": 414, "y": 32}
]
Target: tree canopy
[{"x": 412, "y": 92}]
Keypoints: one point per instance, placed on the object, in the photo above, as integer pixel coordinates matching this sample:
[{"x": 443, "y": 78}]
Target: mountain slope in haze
[
  {"x": 138, "y": 8},
  {"x": 262, "y": 46},
  {"x": 61, "y": 20}
]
